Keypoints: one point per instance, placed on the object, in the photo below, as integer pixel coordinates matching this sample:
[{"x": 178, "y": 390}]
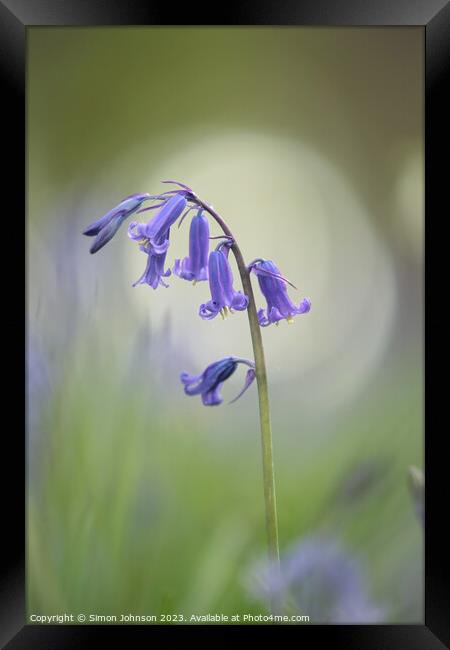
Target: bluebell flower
[
  {"x": 223, "y": 295},
  {"x": 273, "y": 287},
  {"x": 106, "y": 227},
  {"x": 154, "y": 270},
  {"x": 195, "y": 267},
  {"x": 153, "y": 239},
  {"x": 209, "y": 383},
  {"x": 156, "y": 229}
]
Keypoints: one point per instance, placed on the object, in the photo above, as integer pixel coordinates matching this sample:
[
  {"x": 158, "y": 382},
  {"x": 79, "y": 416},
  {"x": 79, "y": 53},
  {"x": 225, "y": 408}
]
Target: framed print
[{"x": 226, "y": 420}]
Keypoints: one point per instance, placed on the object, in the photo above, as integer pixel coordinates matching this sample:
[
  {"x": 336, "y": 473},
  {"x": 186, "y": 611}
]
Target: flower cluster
[{"x": 153, "y": 239}]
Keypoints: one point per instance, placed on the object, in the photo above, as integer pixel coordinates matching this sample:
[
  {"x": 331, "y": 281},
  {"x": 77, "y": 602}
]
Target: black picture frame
[{"x": 18, "y": 15}]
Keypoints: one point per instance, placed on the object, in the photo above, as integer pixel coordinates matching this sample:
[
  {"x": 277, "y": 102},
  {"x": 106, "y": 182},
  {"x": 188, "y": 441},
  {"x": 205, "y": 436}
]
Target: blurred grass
[
  {"x": 140, "y": 500},
  {"x": 129, "y": 514}
]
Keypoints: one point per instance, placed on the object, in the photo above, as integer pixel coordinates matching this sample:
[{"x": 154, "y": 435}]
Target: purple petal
[
  {"x": 304, "y": 306},
  {"x": 136, "y": 230},
  {"x": 208, "y": 310},
  {"x": 166, "y": 217},
  {"x": 275, "y": 315},
  {"x": 188, "y": 379},
  {"x": 262, "y": 318},
  {"x": 182, "y": 270},
  {"x": 159, "y": 249},
  {"x": 107, "y": 233},
  {"x": 212, "y": 397},
  {"x": 213, "y": 375},
  {"x": 95, "y": 227},
  {"x": 126, "y": 207},
  {"x": 261, "y": 271},
  {"x": 249, "y": 379},
  {"x": 239, "y": 302}
]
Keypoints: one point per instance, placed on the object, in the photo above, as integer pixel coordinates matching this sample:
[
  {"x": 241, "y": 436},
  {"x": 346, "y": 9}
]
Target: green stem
[
  {"x": 264, "y": 412},
  {"x": 263, "y": 393}
]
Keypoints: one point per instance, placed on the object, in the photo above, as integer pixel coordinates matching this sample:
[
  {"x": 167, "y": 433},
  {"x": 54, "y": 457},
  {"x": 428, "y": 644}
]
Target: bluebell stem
[
  {"x": 195, "y": 267},
  {"x": 106, "y": 227},
  {"x": 209, "y": 382},
  {"x": 223, "y": 295},
  {"x": 273, "y": 287}
]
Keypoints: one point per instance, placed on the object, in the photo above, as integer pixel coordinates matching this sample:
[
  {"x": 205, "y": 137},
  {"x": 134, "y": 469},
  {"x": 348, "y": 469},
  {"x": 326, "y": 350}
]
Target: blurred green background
[{"x": 309, "y": 142}]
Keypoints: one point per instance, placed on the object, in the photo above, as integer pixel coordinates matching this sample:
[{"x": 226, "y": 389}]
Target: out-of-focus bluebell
[
  {"x": 273, "y": 287},
  {"x": 320, "y": 579},
  {"x": 195, "y": 266},
  {"x": 38, "y": 385},
  {"x": 106, "y": 227},
  {"x": 155, "y": 346},
  {"x": 360, "y": 479},
  {"x": 209, "y": 382},
  {"x": 223, "y": 295},
  {"x": 417, "y": 488}
]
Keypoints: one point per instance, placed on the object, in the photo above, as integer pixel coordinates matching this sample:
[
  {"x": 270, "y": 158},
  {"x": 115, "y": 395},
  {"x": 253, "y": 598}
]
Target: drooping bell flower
[
  {"x": 106, "y": 227},
  {"x": 156, "y": 258},
  {"x": 195, "y": 267},
  {"x": 209, "y": 383},
  {"x": 223, "y": 295},
  {"x": 153, "y": 239},
  {"x": 273, "y": 287},
  {"x": 156, "y": 229}
]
